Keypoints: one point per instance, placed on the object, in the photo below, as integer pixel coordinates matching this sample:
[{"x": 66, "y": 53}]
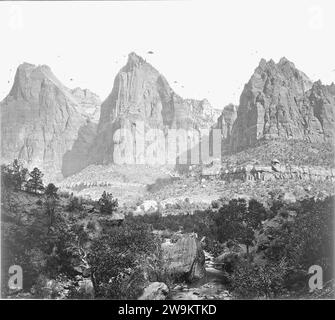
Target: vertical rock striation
[
  {"x": 40, "y": 120},
  {"x": 280, "y": 102},
  {"x": 141, "y": 93}
]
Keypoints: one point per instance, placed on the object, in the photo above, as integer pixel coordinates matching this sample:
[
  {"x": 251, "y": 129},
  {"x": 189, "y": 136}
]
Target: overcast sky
[{"x": 210, "y": 48}]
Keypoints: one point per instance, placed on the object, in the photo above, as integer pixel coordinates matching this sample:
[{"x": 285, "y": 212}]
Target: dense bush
[
  {"x": 38, "y": 249},
  {"x": 238, "y": 221},
  {"x": 307, "y": 240},
  {"x": 294, "y": 246},
  {"x": 250, "y": 280},
  {"x": 108, "y": 204},
  {"x": 200, "y": 222},
  {"x": 74, "y": 204},
  {"x": 118, "y": 260}
]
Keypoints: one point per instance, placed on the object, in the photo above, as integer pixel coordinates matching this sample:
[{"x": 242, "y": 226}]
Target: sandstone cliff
[
  {"x": 290, "y": 172},
  {"x": 225, "y": 123},
  {"x": 89, "y": 103},
  {"x": 141, "y": 93},
  {"x": 40, "y": 119},
  {"x": 279, "y": 101}
]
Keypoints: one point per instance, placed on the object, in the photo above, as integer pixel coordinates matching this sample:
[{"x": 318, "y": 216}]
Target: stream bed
[{"x": 210, "y": 287}]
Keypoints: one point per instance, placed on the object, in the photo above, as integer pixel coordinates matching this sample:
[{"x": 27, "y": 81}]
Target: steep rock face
[
  {"x": 89, "y": 103},
  {"x": 141, "y": 93},
  {"x": 77, "y": 158},
  {"x": 39, "y": 120},
  {"x": 322, "y": 99},
  {"x": 279, "y": 102},
  {"x": 225, "y": 123},
  {"x": 227, "y": 119},
  {"x": 201, "y": 112}
]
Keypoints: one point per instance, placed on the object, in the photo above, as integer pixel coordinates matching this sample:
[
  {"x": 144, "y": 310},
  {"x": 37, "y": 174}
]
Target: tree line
[{"x": 16, "y": 177}]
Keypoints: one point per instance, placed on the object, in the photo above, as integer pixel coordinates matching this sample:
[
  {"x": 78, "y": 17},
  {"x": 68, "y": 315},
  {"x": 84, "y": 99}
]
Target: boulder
[
  {"x": 185, "y": 259},
  {"x": 155, "y": 291},
  {"x": 228, "y": 260}
]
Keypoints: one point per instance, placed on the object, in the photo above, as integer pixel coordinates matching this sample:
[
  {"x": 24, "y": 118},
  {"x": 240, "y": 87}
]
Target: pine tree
[
  {"x": 19, "y": 175},
  {"x": 7, "y": 181},
  {"x": 35, "y": 182},
  {"x": 51, "y": 202},
  {"x": 51, "y": 191}
]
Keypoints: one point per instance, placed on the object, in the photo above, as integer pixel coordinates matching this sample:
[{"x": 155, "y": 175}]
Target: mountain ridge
[
  {"x": 40, "y": 120},
  {"x": 63, "y": 130}
]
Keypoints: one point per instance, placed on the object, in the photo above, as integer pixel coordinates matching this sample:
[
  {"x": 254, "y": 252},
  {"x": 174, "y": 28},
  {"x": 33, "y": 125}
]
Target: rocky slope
[
  {"x": 141, "y": 93},
  {"x": 41, "y": 119},
  {"x": 279, "y": 101}
]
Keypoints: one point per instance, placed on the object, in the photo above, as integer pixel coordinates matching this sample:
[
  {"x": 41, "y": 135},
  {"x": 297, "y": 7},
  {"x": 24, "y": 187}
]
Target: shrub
[
  {"x": 239, "y": 221},
  {"x": 51, "y": 191},
  {"x": 91, "y": 226},
  {"x": 108, "y": 205},
  {"x": 64, "y": 194},
  {"x": 258, "y": 281},
  {"x": 306, "y": 241},
  {"x": 118, "y": 260},
  {"x": 74, "y": 204}
]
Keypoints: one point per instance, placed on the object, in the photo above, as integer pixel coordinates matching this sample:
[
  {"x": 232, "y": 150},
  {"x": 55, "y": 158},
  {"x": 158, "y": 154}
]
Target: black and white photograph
[{"x": 167, "y": 150}]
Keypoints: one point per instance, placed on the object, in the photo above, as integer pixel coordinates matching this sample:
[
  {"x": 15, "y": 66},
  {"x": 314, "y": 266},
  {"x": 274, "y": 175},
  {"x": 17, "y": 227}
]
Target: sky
[{"x": 205, "y": 49}]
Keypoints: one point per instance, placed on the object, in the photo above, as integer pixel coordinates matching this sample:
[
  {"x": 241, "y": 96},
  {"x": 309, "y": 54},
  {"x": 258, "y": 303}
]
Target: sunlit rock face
[
  {"x": 40, "y": 120},
  {"x": 280, "y": 102},
  {"x": 141, "y": 94}
]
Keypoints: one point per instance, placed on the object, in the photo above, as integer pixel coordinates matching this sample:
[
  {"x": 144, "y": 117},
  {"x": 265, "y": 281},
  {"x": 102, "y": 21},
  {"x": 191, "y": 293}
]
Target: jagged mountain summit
[
  {"x": 281, "y": 102},
  {"x": 62, "y": 130},
  {"x": 41, "y": 118},
  {"x": 141, "y": 93}
]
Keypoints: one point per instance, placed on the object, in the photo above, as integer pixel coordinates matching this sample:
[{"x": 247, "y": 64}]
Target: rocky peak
[
  {"x": 40, "y": 120},
  {"x": 134, "y": 61},
  {"x": 321, "y": 99},
  {"x": 275, "y": 103},
  {"x": 141, "y": 93},
  {"x": 284, "y": 61}
]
